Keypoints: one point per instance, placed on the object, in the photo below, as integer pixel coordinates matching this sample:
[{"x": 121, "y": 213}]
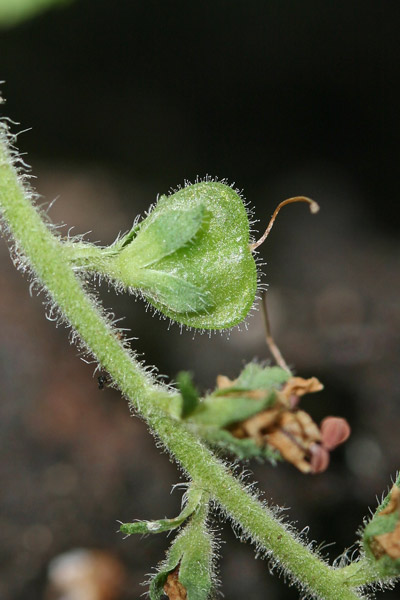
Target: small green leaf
[
  {"x": 243, "y": 449},
  {"x": 194, "y": 496},
  {"x": 253, "y": 391},
  {"x": 222, "y": 411},
  {"x": 256, "y": 377}
]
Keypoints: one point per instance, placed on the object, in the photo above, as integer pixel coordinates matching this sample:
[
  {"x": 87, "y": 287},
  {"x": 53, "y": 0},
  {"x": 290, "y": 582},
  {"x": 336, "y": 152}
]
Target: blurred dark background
[{"x": 126, "y": 100}]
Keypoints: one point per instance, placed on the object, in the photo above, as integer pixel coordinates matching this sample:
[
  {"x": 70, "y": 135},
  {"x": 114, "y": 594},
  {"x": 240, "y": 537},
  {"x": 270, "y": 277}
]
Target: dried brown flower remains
[{"x": 293, "y": 432}]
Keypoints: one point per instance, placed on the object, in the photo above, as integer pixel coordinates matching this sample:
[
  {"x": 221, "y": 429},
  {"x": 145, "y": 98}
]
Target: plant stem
[{"x": 50, "y": 264}]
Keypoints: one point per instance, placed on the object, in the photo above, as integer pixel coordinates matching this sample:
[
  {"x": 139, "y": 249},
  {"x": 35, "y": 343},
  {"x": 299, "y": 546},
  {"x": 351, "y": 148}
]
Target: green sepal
[
  {"x": 192, "y": 552},
  {"x": 222, "y": 411},
  {"x": 162, "y": 233},
  {"x": 168, "y": 289},
  {"x": 127, "y": 238},
  {"x": 194, "y": 497},
  {"x": 386, "y": 520},
  {"x": 254, "y": 391},
  {"x": 189, "y": 393},
  {"x": 257, "y": 377},
  {"x": 238, "y": 402},
  {"x": 241, "y": 448}
]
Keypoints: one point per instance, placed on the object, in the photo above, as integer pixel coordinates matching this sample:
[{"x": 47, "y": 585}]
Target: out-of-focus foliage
[{"x": 14, "y": 11}]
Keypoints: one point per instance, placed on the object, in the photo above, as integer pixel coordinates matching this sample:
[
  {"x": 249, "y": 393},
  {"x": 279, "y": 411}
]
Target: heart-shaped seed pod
[{"x": 191, "y": 258}]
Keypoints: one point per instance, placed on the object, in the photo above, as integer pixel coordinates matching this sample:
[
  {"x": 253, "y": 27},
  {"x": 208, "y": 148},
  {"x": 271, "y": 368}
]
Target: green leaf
[
  {"x": 256, "y": 377},
  {"x": 253, "y": 391},
  {"x": 243, "y": 449},
  {"x": 222, "y": 411},
  {"x": 194, "y": 496}
]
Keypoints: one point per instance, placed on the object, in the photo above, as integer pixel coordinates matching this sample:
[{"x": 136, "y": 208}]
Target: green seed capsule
[{"x": 191, "y": 259}]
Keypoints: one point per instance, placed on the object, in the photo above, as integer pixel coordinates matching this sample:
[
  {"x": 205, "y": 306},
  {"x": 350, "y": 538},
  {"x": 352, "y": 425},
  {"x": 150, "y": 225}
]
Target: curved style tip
[{"x": 314, "y": 208}]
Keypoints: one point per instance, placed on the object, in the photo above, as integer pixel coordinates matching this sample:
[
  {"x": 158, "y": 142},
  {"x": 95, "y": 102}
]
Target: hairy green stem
[{"x": 51, "y": 265}]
